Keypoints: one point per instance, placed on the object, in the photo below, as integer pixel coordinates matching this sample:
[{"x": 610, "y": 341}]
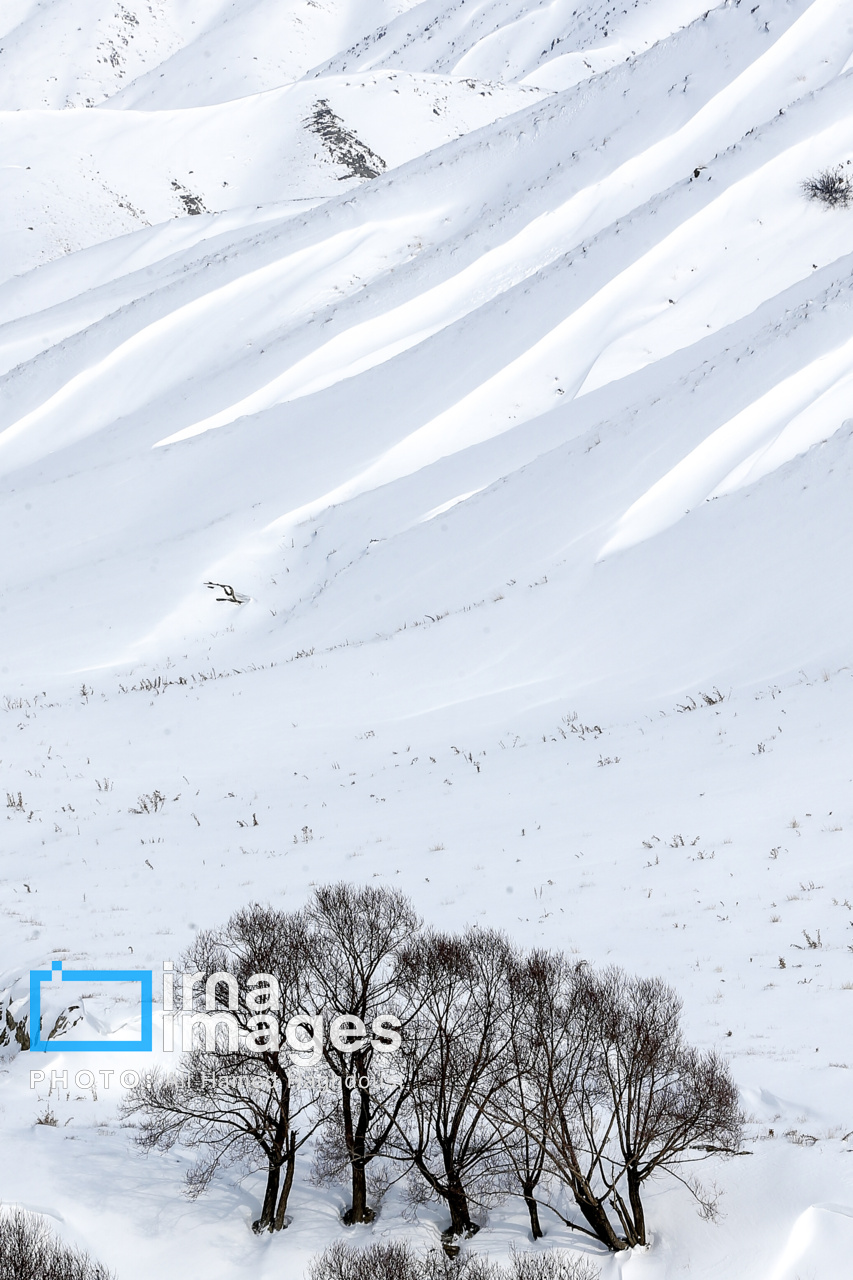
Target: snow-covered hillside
[{"x": 491, "y": 356}]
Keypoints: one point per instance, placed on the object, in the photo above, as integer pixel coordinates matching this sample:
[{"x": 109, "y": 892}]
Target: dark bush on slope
[
  {"x": 29, "y": 1251},
  {"x": 832, "y": 188}
]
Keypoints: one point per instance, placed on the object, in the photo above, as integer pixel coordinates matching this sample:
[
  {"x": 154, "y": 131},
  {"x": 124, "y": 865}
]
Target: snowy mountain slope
[
  {"x": 221, "y": 331},
  {"x": 91, "y": 186},
  {"x": 589, "y": 177},
  {"x": 169, "y": 53},
  {"x": 86, "y": 181},
  {"x": 530, "y": 458},
  {"x": 77, "y": 52},
  {"x": 555, "y": 43},
  {"x": 182, "y": 53},
  {"x": 243, "y": 48}
]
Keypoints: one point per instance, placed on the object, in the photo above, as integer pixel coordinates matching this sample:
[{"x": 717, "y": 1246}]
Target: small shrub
[
  {"x": 149, "y": 804},
  {"x": 551, "y": 1266},
  {"x": 29, "y": 1251},
  {"x": 439, "y": 1265},
  {"x": 392, "y": 1261},
  {"x": 398, "y": 1261},
  {"x": 832, "y": 188}
]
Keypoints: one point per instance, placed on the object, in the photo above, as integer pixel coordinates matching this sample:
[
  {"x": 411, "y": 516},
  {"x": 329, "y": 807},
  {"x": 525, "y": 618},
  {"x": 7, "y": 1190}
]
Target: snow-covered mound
[{"x": 433, "y": 463}]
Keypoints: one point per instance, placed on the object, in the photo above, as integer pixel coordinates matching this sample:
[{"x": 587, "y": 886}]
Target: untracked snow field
[{"x": 426, "y": 458}]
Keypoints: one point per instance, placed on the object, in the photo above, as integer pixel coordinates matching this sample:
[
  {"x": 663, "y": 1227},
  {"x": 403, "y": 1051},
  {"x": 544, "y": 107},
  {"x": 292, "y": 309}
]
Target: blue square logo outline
[{"x": 143, "y": 976}]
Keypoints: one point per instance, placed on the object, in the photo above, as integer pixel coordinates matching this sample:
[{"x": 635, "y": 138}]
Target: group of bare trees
[{"x": 517, "y": 1073}]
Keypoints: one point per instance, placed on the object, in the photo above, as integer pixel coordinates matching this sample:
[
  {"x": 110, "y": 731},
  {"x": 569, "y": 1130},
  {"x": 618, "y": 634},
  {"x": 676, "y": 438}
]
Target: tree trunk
[
  {"x": 596, "y": 1216},
  {"x": 355, "y": 1135},
  {"x": 457, "y": 1203},
  {"x": 533, "y": 1209},
  {"x": 359, "y": 1210},
  {"x": 636, "y": 1206},
  {"x": 266, "y": 1221},
  {"x": 290, "y": 1167},
  {"x": 281, "y": 1149}
]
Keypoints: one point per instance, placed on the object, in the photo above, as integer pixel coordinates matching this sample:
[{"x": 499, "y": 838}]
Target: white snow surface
[{"x": 530, "y": 455}]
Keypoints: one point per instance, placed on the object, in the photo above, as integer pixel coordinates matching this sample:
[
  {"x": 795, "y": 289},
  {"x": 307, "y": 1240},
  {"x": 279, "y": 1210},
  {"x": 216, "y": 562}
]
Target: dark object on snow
[
  {"x": 30, "y": 1251},
  {"x": 398, "y": 1261},
  {"x": 832, "y": 188},
  {"x": 231, "y": 596},
  {"x": 343, "y": 146}
]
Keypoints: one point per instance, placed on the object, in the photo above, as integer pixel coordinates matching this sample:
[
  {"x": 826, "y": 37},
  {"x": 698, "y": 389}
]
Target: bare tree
[
  {"x": 563, "y": 1094},
  {"x": 357, "y": 933},
  {"x": 245, "y": 1103},
  {"x": 520, "y": 1105},
  {"x": 671, "y": 1104},
  {"x": 232, "y": 1110},
  {"x": 453, "y": 1051},
  {"x": 625, "y": 1098}
]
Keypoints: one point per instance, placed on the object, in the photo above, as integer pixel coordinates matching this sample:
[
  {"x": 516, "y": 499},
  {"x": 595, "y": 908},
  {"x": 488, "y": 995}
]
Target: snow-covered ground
[{"x": 492, "y": 353}]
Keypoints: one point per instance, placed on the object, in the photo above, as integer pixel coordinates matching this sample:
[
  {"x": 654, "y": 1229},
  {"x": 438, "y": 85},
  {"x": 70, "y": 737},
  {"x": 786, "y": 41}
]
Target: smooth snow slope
[{"x": 530, "y": 458}]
